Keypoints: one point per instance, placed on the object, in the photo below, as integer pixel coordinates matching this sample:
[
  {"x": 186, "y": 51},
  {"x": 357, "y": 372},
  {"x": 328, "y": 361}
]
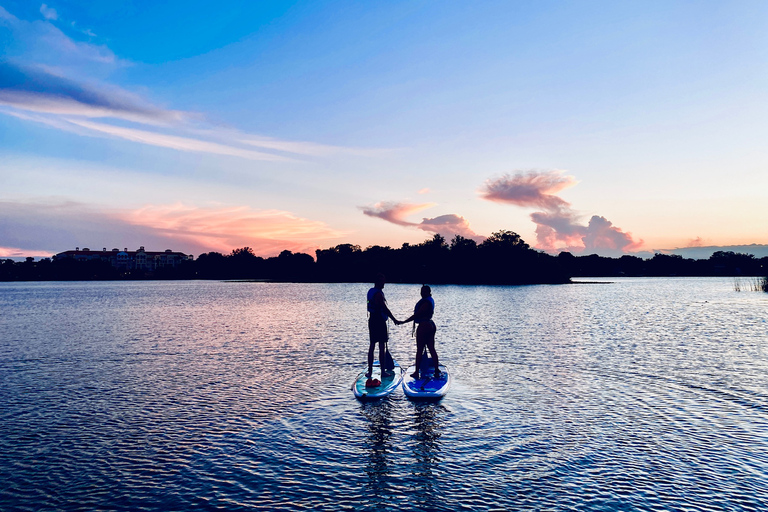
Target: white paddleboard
[
  {"x": 427, "y": 386},
  {"x": 388, "y": 384}
]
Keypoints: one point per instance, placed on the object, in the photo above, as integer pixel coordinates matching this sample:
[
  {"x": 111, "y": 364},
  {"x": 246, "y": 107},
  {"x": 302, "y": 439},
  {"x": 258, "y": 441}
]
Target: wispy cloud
[
  {"x": 65, "y": 104},
  {"x": 42, "y": 72},
  {"x": 558, "y": 226},
  {"x": 176, "y": 142},
  {"x": 446, "y": 225},
  {"x": 309, "y": 148},
  {"x": 395, "y": 212},
  {"x": 48, "y": 13},
  {"x": 41, "y": 42},
  {"x": 54, "y": 226},
  {"x": 15, "y": 252},
  {"x": 40, "y": 90}
]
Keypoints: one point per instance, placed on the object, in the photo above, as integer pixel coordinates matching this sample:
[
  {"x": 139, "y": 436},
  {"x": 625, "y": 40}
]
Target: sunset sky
[{"x": 595, "y": 127}]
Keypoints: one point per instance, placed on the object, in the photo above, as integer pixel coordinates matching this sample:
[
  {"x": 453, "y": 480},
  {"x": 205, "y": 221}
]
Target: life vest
[
  {"x": 427, "y": 316},
  {"x": 374, "y": 309}
]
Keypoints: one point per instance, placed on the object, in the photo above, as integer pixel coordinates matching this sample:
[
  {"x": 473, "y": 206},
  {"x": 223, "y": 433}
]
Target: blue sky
[{"x": 607, "y": 127}]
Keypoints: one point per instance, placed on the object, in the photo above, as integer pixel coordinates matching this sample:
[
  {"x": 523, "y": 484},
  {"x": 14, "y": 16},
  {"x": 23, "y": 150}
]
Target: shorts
[{"x": 377, "y": 329}]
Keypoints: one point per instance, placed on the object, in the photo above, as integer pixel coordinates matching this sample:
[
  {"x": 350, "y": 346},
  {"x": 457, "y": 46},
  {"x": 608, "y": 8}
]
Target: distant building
[{"x": 129, "y": 260}]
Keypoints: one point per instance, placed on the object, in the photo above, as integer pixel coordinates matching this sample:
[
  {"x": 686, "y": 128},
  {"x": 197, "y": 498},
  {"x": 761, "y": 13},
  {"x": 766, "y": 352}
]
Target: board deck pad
[
  {"x": 387, "y": 386},
  {"x": 427, "y": 386}
]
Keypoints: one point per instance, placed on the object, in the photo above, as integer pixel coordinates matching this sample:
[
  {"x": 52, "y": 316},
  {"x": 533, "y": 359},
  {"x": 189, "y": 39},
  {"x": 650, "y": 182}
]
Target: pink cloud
[
  {"x": 222, "y": 229},
  {"x": 15, "y": 252},
  {"x": 558, "y": 226},
  {"x": 529, "y": 189},
  {"x": 395, "y": 212},
  {"x": 449, "y": 226},
  {"x": 54, "y": 227},
  {"x": 602, "y": 234},
  {"x": 446, "y": 225}
]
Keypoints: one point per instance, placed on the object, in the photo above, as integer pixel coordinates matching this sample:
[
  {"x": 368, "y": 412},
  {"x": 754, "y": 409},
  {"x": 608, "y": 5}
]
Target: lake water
[{"x": 642, "y": 394}]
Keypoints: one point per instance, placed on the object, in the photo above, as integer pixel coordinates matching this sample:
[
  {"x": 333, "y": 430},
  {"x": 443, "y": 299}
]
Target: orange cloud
[
  {"x": 222, "y": 229},
  {"x": 38, "y": 228}
]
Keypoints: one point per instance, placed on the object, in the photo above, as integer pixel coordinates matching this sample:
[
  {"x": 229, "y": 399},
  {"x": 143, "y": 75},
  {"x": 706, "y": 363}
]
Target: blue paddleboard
[
  {"x": 388, "y": 384},
  {"x": 427, "y": 386}
]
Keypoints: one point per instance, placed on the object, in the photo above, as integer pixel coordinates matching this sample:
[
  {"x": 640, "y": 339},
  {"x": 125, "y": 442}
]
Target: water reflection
[
  {"x": 429, "y": 419},
  {"x": 643, "y": 395},
  {"x": 378, "y": 445}
]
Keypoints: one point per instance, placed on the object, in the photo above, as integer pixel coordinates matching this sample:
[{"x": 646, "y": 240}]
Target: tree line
[
  {"x": 721, "y": 263},
  {"x": 502, "y": 258}
]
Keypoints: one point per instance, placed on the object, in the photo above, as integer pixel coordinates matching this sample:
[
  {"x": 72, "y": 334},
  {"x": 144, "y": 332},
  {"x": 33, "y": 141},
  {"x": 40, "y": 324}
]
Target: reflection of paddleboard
[
  {"x": 427, "y": 386},
  {"x": 385, "y": 387}
]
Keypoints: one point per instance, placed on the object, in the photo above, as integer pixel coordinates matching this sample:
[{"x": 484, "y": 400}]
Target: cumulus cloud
[
  {"x": 446, "y": 225},
  {"x": 449, "y": 226},
  {"x": 41, "y": 227},
  {"x": 558, "y": 226}
]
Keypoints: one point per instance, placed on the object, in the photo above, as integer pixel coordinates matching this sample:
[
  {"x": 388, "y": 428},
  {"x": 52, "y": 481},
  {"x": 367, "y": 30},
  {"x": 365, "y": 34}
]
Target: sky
[{"x": 595, "y": 127}]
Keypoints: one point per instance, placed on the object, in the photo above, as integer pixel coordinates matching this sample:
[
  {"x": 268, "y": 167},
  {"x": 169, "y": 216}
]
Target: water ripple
[{"x": 643, "y": 395}]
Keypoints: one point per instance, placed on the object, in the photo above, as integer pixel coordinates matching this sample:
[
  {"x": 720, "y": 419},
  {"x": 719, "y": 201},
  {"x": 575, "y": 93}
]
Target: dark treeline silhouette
[
  {"x": 503, "y": 258},
  {"x": 721, "y": 263}
]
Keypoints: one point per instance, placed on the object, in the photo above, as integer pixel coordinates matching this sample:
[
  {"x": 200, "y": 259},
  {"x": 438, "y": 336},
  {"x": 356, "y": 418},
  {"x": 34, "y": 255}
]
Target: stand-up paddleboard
[
  {"x": 386, "y": 384},
  {"x": 428, "y": 386}
]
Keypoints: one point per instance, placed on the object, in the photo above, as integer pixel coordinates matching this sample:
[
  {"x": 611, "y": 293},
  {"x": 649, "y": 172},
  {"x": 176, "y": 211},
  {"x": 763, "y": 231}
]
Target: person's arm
[
  {"x": 378, "y": 299},
  {"x": 422, "y": 311}
]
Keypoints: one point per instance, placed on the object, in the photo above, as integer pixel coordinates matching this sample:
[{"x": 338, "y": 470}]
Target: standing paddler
[{"x": 378, "y": 313}]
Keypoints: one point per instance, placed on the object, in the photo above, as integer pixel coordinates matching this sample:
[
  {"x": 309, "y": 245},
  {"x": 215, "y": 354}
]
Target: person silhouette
[
  {"x": 378, "y": 313},
  {"x": 425, "y": 332}
]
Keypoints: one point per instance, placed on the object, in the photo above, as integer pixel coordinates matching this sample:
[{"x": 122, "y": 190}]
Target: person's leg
[
  {"x": 419, "y": 350},
  {"x": 372, "y": 341},
  {"x": 430, "y": 342},
  {"x": 378, "y": 333},
  {"x": 370, "y": 358},
  {"x": 382, "y": 354}
]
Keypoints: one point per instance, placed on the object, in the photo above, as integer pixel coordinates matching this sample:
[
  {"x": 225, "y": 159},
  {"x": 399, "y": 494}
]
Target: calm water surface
[{"x": 643, "y": 394}]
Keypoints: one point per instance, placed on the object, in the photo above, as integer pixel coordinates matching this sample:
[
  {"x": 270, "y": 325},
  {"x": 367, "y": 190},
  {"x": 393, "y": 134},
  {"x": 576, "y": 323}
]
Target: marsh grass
[{"x": 754, "y": 284}]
